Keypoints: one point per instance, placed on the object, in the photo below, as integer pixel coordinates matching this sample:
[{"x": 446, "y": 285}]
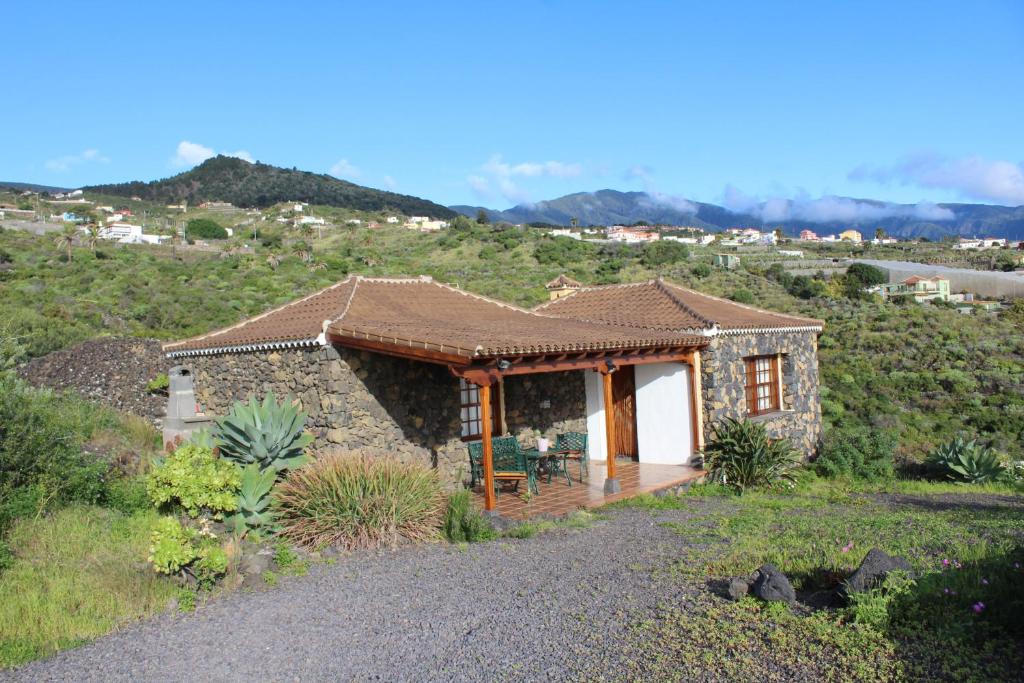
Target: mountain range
[
  {"x": 825, "y": 215},
  {"x": 248, "y": 184}
]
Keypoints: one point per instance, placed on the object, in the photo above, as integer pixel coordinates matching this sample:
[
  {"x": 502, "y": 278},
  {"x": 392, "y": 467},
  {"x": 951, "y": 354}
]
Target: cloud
[
  {"x": 496, "y": 177},
  {"x": 828, "y": 209},
  {"x": 66, "y": 163},
  {"x": 671, "y": 201},
  {"x": 639, "y": 172},
  {"x": 971, "y": 177},
  {"x": 344, "y": 169},
  {"x": 389, "y": 182},
  {"x": 190, "y": 154}
]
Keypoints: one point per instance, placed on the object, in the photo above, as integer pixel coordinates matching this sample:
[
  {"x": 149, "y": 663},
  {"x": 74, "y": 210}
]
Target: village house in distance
[{"x": 417, "y": 369}]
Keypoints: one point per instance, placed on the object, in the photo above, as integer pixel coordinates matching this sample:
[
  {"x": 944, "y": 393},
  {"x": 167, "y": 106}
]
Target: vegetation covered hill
[
  {"x": 228, "y": 179},
  {"x": 610, "y": 207},
  {"x": 924, "y": 373}
]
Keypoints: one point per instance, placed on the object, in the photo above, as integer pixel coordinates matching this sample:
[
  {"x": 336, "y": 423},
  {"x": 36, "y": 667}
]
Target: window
[
  {"x": 762, "y": 385},
  {"x": 469, "y": 408}
]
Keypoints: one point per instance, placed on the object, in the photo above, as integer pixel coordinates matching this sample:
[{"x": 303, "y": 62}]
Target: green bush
[
  {"x": 126, "y": 494},
  {"x": 269, "y": 434},
  {"x": 171, "y": 546},
  {"x": 742, "y": 456},
  {"x": 158, "y": 384},
  {"x": 701, "y": 270},
  {"x": 359, "y": 502},
  {"x": 206, "y": 229},
  {"x": 743, "y": 296},
  {"x": 197, "y": 480},
  {"x": 857, "y": 454},
  {"x": 41, "y": 457},
  {"x": 965, "y": 461},
  {"x": 463, "y": 522}
]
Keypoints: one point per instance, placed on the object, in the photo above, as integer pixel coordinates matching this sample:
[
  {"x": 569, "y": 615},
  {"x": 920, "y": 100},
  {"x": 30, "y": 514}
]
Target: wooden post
[
  {"x": 697, "y": 398},
  {"x": 611, "y": 484},
  {"x": 485, "y": 435}
]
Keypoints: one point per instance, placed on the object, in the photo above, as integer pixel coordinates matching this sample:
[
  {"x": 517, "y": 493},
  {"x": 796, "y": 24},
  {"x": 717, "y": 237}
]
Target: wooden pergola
[{"x": 485, "y": 372}]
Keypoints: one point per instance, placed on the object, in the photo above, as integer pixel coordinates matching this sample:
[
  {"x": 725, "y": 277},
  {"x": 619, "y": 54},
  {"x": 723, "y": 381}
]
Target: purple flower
[
  {"x": 848, "y": 547},
  {"x": 956, "y": 564},
  {"x": 984, "y": 582},
  {"x": 1016, "y": 565},
  {"x": 946, "y": 590},
  {"x": 978, "y": 607},
  {"x": 945, "y": 563}
]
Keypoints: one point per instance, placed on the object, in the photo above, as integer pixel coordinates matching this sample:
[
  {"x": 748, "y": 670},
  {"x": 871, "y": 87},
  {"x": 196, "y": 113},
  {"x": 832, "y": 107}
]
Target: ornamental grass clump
[
  {"x": 355, "y": 501},
  {"x": 741, "y": 455}
]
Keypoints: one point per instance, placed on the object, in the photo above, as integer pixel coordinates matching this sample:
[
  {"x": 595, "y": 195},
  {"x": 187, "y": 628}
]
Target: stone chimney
[{"x": 561, "y": 286}]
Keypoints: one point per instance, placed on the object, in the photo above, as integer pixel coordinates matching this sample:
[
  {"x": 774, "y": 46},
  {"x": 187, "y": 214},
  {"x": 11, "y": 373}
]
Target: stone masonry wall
[
  {"x": 723, "y": 373},
  {"x": 380, "y": 405},
  {"x": 545, "y": 404}
]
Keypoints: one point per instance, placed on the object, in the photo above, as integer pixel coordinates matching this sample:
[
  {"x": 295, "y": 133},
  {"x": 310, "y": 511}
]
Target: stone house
[{"x": 415, "y": 368}]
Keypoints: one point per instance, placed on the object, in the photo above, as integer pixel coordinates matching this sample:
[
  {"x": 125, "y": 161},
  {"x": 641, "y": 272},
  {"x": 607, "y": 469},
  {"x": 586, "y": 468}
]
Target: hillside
[
  {"x": 228, "y": 179},
  {"x": 610, "y": 207}
]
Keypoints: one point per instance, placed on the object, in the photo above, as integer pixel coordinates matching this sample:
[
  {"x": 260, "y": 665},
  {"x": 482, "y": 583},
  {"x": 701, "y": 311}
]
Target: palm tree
[
  {"x": 66, "y": 239},
  {"x": 302, "y": 251},
  {"x": 273, "y": 260},
  {"x": 316, "y": 265},
  {"x": 93, "y": 230}
]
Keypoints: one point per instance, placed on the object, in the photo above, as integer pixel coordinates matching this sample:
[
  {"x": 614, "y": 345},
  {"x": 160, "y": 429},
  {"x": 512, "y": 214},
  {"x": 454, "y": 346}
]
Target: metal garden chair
[{"x": 573, "y": 445}]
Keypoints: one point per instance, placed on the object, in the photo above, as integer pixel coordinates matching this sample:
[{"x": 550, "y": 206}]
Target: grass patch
[
  {"x": 959, "y": 620},
  {"x": 577, "y": 520},
  {"x": 463, "y": 521},
  {"x": 76, "y": 575}
]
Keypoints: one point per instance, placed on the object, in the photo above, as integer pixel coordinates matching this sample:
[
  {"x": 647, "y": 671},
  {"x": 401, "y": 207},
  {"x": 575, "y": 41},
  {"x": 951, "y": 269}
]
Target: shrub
[
  {"x": 126, "y": 494},
  {"x": 197, "y": 480},
  {"x": 463, "y": 522},
  {"x": 743, "y": 296},
  {"x": 965, "y": 461},
  {"x": 874, "y": 608},
  {"x": 269, "y": 434},
  {"x": 41, "y": 453},
  {"x": 359, "y": 502},
  {"x": 857, "y": 453},
  {"x": 158, "y": 384},
  {"x": 742, "y": 456},
  {"x": 171, "y": 548},
  {"x": 701, "y": 270},
  {"x": 205, "y": 228}
]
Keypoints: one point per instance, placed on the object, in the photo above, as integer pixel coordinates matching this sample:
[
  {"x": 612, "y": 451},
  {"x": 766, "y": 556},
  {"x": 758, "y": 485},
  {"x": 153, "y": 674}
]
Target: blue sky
[{"x": 500, "y": 103}]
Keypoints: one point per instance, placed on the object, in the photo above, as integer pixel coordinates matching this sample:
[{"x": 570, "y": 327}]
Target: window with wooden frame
[
  {"x": 470, "y": 413},
  {"x": 763, "y": 385}
]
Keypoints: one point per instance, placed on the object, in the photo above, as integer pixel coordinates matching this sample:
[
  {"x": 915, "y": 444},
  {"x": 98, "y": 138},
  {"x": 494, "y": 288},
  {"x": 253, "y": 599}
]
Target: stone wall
[
  {"x": 377, "y": 404},
  {"x": 545, "y": 404},
  {"x": 723, "y": 372}
]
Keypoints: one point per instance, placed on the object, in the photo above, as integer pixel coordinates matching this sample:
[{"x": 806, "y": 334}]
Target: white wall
[
  {"x": 595, "y": 416},
  {"x": 663, "y": 431},
  {"x": 663, "y": 416}
]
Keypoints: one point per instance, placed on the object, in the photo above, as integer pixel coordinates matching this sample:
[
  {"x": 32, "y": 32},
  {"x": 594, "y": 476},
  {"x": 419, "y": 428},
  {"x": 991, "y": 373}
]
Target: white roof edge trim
[
  {"x": 769, "y": 330},
  {"x": 266, "y": 346}
]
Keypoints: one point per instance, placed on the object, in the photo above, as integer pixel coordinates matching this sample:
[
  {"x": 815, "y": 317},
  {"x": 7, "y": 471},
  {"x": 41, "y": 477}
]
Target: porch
[{"x": 557, "y": 498}]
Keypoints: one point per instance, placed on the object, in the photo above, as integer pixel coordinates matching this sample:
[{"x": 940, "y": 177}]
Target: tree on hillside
[
  {"x": 93, "y": 235},
  {"x": 880, "y": 234},
  {"x": 205, "y": 228},
  {"x": 482, "y": 218},
  {"x": 66, "y": 238}
]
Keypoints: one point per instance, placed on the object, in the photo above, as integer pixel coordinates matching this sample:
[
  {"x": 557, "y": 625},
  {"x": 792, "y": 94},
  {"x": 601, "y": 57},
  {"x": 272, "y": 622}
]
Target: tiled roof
[
  {"x": 417, "y": 313},
  {"x": 660, "y": 305},
  {"x": 562, "y": 281}
]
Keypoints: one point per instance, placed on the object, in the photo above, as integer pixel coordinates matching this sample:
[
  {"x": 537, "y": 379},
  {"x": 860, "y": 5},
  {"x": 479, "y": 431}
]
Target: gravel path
[{"x": 553, "y": 607}]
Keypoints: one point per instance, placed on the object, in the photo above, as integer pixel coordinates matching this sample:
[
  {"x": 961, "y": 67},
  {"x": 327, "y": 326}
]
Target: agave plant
[
  {"x": 269, "y": 434},
  {"x": 966, "y": 461},
  {"x": 254, "y": 514},
  {"x": 741, "y": 455}
]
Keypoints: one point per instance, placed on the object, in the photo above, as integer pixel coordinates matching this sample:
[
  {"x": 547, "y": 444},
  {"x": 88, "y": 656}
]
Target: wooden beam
[
  {"x": 609, "y": 424},
  {"x": 488, "y": 372},
  {"x": 400, "y": 350},
  {"x": 485, "y": 434},
  {"x": 697, "y": 396}
]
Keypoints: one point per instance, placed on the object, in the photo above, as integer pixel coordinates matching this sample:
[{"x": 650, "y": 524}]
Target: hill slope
[
  {"x": 610, "y": 207},
  {"x": 227, "y": 179}
]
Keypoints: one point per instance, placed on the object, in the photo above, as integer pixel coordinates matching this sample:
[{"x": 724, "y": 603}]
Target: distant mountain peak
[{"x": 829, "y": 214}]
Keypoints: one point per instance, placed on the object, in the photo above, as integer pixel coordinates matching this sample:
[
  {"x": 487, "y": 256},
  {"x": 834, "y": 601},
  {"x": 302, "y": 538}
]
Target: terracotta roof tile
[
  {"x": 660, "y": 305},
  {"x": 420, "y": 313},
  {"x": 563, "y": 280}
]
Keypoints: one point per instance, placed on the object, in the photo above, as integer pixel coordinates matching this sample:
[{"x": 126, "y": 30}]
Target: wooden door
[{"x": 624, "y": 411}]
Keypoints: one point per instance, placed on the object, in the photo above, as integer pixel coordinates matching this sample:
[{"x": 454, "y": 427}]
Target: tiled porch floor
[{"x": 557, "y": 498}]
